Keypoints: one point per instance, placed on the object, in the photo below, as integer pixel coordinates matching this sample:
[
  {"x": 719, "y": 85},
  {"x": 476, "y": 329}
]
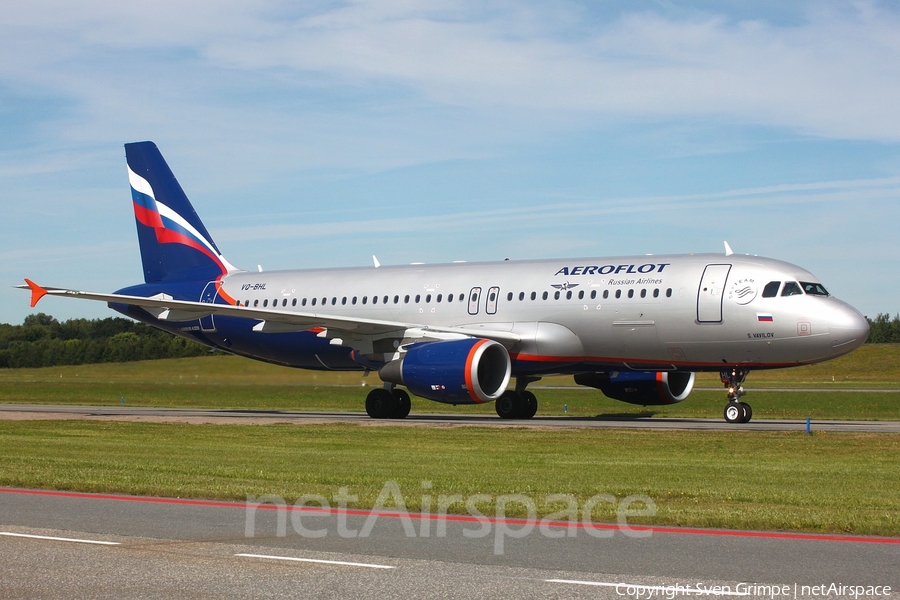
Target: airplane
[{"x": 637, "y": 328}]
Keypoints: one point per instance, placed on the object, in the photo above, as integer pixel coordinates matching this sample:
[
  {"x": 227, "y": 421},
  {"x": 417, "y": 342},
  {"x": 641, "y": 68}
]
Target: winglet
[
  {"x": 37, "y": 292},
  {"x": 728, "y": 250}
]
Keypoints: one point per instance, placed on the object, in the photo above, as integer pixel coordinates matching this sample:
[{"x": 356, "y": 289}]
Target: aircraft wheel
[
  {"x": 748, "y": 412},
  {"x": 529, "y": 405},
  {"x": 734, "y": 412},
  {"x": 507, "y": 405},
  {"x": 380, "y": 404},
  {"x": 403, "y": 404}
]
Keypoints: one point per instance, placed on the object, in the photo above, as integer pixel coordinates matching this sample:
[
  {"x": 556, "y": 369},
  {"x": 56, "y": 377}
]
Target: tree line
[
  {"x": 884, "y": 330},
  {"x": 42, "y": 341}
]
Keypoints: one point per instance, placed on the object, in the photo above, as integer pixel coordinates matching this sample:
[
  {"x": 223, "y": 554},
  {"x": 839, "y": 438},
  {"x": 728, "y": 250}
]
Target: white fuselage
[{"x": 692, "y": 312}]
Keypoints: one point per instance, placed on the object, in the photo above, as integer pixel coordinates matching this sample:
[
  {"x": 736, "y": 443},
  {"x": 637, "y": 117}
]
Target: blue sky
[{"x": 313, "y": 134}]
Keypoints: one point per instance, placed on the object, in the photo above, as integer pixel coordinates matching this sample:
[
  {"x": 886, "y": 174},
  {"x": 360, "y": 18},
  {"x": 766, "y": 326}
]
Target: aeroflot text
[{"x": 612, "y": 269}]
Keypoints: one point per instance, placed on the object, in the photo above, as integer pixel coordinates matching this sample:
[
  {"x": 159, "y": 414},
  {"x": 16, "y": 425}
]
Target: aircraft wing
[{"x": 166, "y": 308}]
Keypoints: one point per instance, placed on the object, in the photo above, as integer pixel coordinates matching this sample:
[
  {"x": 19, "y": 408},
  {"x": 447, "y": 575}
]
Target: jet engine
[
  {"x": 467, "y": 371},
  {"x": 640, "y": 387}
]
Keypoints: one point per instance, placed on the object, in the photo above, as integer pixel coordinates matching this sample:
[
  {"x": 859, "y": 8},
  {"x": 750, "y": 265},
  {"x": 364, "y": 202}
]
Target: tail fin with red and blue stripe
[{"x": 175, "y": 246}]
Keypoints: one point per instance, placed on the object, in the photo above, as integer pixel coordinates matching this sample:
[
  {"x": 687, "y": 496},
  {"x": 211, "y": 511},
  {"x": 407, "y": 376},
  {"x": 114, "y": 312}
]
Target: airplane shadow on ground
[{"x": 645, "y": 414}]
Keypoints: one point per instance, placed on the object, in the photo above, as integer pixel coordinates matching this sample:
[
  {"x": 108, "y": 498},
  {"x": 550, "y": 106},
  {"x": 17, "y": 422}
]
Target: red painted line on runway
[{"x": 463, "y": 518}]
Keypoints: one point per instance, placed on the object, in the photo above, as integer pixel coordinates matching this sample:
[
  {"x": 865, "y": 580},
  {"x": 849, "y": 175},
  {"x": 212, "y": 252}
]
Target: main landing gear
[
  {"x": 518, "y": 403},
  {"x": 736, "y": 411},
  {"x": 391, "y": 402},
  {"x": 388, "y": 403}
]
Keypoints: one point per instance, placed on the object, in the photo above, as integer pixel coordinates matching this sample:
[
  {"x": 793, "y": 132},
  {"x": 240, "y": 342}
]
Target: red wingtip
[{"x": 37, "y": 292}]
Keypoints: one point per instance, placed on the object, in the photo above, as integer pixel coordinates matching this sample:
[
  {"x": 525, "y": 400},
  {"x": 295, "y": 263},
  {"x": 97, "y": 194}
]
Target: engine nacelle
[
  {"x": 468, "y": 371},
  {"x": 639, "y": 387}
]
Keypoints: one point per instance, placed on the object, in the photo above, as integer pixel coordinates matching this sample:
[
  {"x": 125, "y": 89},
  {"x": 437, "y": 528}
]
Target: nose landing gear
[{"x": 736, "y": 411}]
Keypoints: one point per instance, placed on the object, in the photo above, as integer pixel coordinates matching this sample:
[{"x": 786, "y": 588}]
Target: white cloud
[
  {"x": 836, "y": 74},
  {"x": 677, "y": 211},
  {"x": 532, "y": 122}
]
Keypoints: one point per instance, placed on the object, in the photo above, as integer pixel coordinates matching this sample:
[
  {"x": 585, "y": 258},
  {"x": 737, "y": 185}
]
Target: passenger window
[
  {"x": 569, "y": 295},
  {"x": 418, "y": 298},
  {"x": 605, "y": 294},
  {"x": 631, "y": 293},
  {"x": 521, "y": 296},
  {"x": 365, "y": 300},
  {"x": 384, "y": 300},
  {"x": 294, "y": 302},
  {"x": 544, "y": 295},
  {"x": 374, "y": 299},
  {"x": 669, "y": 293},
  {"x": 284, "y": 302},
  {"x": 353, "y": 301},
  {"x": 581, "y": 295},
  {"x": 256, "y": 302},
  {"x": 303, "y": 302},
  {"x": 791, "y": 288},
  {"x": 314, "y": 301},
  {"x": 439, "y": 296},
  {"x": 618, "y": 293},
  {"x": 406, "y": 299},
  {"x": 593, "y": 294},
  {"x": 643, "y": 293},
  {"x": 534, "y": 295},
  {"x": 397, "y": 300},
  {"x": 656, "y": 293},
  {"x": 428, "y": 299},
  {"x": 265, "y": 302},
  {"x": 771, "y": 289}
]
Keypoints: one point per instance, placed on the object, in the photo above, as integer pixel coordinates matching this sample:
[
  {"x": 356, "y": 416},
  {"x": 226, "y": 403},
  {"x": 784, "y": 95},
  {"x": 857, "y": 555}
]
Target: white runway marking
[
  {"x": 315, "y": 560},
  {"x": 58, "y": 539},
  {"x": 665, "y": 589}
]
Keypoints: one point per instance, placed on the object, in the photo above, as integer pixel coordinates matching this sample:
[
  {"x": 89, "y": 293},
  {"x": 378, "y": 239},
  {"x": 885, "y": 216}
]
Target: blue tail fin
[{"x": 174, "y": 243}]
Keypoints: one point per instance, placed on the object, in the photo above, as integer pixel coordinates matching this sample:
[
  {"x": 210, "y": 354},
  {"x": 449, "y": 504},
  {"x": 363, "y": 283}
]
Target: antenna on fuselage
[{"x": 728, "y": 250}]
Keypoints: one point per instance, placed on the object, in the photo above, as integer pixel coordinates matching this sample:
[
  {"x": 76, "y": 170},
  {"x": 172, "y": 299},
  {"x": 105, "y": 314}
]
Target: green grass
[
  {"x": 232, "y": 382},
  {"x": 826, "y": 482},
  {"x": 768, "y": 481}
]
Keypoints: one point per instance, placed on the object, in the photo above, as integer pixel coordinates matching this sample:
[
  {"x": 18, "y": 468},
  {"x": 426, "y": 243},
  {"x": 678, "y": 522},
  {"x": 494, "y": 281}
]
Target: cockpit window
[
  {"x": 791, "y": 288},
  {"x": 814, "y": 289},
  {"x": 771, "y": 289}
]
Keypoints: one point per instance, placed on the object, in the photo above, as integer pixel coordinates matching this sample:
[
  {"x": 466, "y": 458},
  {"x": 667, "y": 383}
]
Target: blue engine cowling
[
  {"x": 644, "y": 388},
  {"x": 467, "y": 371}
]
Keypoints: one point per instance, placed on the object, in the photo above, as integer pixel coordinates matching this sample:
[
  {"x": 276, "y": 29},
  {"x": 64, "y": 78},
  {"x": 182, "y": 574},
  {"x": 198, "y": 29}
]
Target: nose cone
[{"x": 848, "y": 330}]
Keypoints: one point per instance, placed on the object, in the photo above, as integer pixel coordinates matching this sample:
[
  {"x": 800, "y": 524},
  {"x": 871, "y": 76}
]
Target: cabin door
[
  {"x": 709, "y": 296},
  {"x": 208, "y": 296}
]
